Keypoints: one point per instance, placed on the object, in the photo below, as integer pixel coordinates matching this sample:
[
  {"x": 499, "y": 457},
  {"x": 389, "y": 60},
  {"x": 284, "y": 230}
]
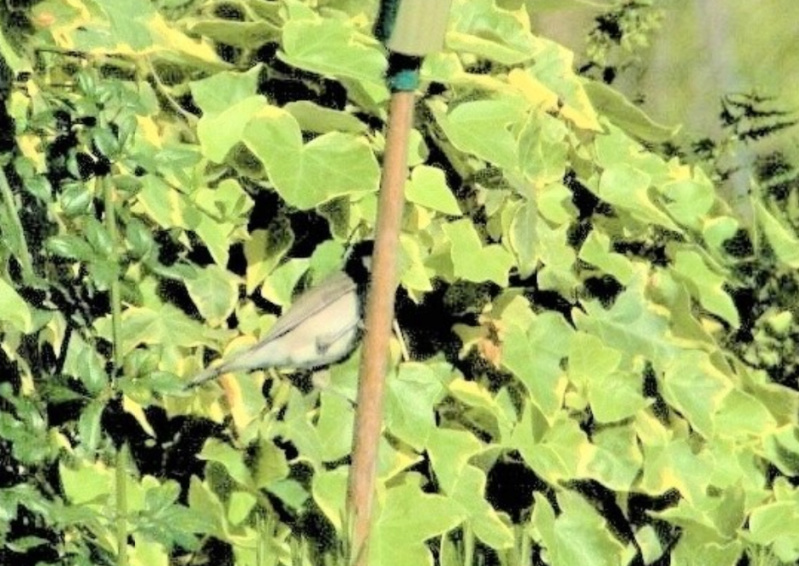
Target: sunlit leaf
[
  {"x": 487, "y": 525},
  {"x": 428, "y": 187},
  {"x": 472, "y": 260},
  {"x": 306, "y": 175},
  {"x": 215, "y": 292},
  {"x": 709, "y": 285},
  {"x": 627, "y": 188},
  {"x": 534, "y": 356},
  {"x": 578, "y": 535},
  {"x": 407, "y": 519},
  {"x": 13, "y": 308},
  {"x": 596, "y": 251},
  {"x": 147, "y": 326},
  {"x": 784, "y": 243},
  {"x": 482, "y": 28},
  {"x": 230, "y": 458},
  {"x": 314, "y": 118},
  {"x": 626, "y": 115},
  {"x": 218, "y": 133},
  {"x": 409, "y": 402},
  {"x": 450, "y": 451},
  {"x": 633, "y": 325},
  {"x": 332, "y": 47},
  {"x": 482, "y": 128}
]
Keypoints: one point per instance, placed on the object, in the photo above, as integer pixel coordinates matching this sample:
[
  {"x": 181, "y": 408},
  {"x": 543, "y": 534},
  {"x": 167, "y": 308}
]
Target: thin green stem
[
  {"x": 468, "y": 545},
  {"x": 525, "y": 546},
  {"x": 164, "y": 90},
  {"x": 116, "y": 295},
  {"x": 24, "y": 257},
  {"x": 116, "y": 334},
  {"x": 122, "y": 506}
]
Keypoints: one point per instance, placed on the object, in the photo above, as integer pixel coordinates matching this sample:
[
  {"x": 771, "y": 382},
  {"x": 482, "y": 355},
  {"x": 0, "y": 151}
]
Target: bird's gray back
[{"x": 311, "y": 302}]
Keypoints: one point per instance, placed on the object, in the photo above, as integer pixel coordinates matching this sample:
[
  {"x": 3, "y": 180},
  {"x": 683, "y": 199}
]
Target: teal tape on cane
[{"x": 403, "y": 81}]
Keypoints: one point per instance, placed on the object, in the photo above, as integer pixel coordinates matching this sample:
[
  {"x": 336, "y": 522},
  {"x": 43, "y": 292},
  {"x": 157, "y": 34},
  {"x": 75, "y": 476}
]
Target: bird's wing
[
  {"x": 310, "y": 303},
  {"x": 306, "y": 305}
]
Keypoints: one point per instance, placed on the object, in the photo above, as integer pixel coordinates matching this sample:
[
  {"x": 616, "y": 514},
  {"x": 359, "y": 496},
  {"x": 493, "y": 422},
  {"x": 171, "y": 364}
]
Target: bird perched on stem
[{"x": 321, "y": 327}]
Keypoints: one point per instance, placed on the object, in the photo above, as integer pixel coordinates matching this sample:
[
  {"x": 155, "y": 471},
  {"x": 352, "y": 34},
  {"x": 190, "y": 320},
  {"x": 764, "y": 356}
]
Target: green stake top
[{"x": 413, "y": 27}]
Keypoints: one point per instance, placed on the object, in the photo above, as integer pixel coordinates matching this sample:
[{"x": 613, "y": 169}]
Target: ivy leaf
[
  {"x": 14, "y": 310},
  {"x": 579, "y": 535},
  {"x": 70, "y": 247},
  {"x": 709, "y": 285},
  {"x": 473, "y": 261},
  {"x": 614, "y": 394},
  {"x": 230, "y": 458},
  {"x": 215, "y": 292},
  {"x": 333, "y": 47},
  {"x": 616, "y": 460},
  {"x": 410, "y": 399},
  {"x": 696, "y": 388},
  {"x": 482, "y": 28},
  {"x": 87, "y": 482},
  {"x": 408, "y": 518},
  {"x": 743, "y": 415},
  {"x": 482, "y": 128},
  {"x": 314, "y": 118},
  {"x": 290, "y": 492},
  {"x": 306, "y": 175},
  {"x": 558, "y": 258},
  {"x": 556, "y": 451},
  {"x": 689, "y": 200},
  {"x": 334, "y": 426},
  {"x": 216, "y": 235},
  {"x": 524, "y": 237},
  {"x": 554, "y": 203},
  {"x": 534, "y": 355},
  {"x": 482, "y": 405},
  {"x": 415, "y": 277},
  {"x": 596, "y": 251},
  {"x": 167, "y": 325},
  {"x": 784, "y": 243},
  {"x": 330, "y": 493},
  {"x": 271, "y": 464},
  {"x": 674, "y": 465},
  {"x": 633, "y": 325},
  {"x": 89, "y": 428},
  {"x": 86, "y": 364},
  {"x": 428, "y": 187},
  {"x": 218, "y": 133},
  {"x": 626, "y": 115},
  {"x": 554, "y": 67},
  {"x": 627, "y": 189},
  {"x": 483, "y": 518},
  {"x": 228, "y": 200},
  {"x": 450, "y": 451},
  {"x": 239, "y": 506},
  {"x": 246, "y": 35},
  {"x": 264, "y": 250},
  {"x": 772, "y": 521}
]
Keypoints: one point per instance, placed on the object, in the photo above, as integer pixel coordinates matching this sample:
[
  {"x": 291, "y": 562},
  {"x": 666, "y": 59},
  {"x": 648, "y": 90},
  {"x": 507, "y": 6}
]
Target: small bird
[{"x": 320, "y": 328}]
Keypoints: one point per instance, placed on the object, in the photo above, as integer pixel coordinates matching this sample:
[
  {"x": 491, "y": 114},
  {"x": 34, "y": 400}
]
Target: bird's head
[{"x": 358, "y": 262}]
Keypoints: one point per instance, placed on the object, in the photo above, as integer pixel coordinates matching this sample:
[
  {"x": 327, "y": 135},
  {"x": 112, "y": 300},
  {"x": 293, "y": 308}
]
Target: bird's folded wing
[{"x": 310, "y": 303}]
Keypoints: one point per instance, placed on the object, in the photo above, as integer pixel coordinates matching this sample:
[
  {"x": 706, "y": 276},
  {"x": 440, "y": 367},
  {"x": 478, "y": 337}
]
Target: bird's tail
[{"x": 206, "y": 375}]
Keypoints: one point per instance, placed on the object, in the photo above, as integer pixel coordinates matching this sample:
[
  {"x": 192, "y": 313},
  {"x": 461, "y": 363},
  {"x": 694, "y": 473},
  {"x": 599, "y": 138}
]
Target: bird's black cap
[{"x": 358, "y": 263}]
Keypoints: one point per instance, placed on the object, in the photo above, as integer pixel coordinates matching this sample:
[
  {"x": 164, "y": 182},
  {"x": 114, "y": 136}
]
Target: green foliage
[
  {"x": 572, "y": 301},
  {"x": 619, "y": 34}
]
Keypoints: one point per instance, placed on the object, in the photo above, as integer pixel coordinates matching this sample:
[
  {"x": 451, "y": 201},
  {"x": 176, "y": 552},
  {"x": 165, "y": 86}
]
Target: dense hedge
[{"x": 601, "y": 351}]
